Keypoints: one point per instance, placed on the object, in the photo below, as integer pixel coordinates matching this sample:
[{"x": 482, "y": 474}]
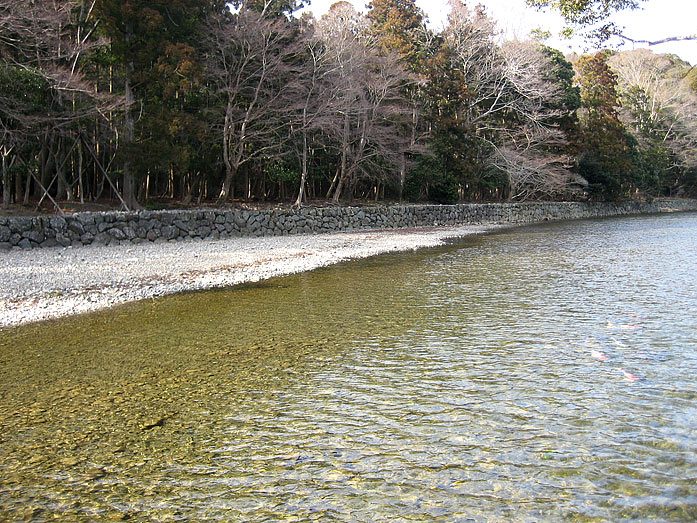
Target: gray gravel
[{"x": 41, "y": 284}]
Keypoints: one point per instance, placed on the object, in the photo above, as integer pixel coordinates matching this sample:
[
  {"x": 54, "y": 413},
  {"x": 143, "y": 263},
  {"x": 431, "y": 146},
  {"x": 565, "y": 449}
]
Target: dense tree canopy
[
  {"x": 155, "y": 102},
  {"x": 399, "y": 27},
  {"x": 659, "y": 107},
  {"x": 607, "y": 158}
]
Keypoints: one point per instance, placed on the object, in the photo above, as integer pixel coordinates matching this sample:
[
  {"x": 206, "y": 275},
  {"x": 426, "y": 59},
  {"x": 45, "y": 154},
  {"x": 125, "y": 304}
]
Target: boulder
[
  {"x": 58, "y": 223},
  {"x": 77, "y": 227},
  {"x": 117, "y": 233},
  {"x": 5, "y": 234},
  {"x": 36, "y": 236},
  {"x": 170, "y": 232}
]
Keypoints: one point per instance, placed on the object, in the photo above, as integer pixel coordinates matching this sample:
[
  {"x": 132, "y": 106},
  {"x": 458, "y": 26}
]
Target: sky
[{"x": 658, "y": 19}]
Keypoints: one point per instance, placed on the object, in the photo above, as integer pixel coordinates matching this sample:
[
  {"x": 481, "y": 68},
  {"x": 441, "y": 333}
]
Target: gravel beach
[{"x": 42, "y": 284}]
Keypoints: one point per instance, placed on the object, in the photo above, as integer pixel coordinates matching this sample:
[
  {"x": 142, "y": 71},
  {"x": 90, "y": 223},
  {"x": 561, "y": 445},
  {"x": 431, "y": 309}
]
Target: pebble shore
[{"x": 44, "y": 284}]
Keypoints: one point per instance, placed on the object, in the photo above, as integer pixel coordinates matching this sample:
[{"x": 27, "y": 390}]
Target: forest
[{"x": 152, "y": 103}]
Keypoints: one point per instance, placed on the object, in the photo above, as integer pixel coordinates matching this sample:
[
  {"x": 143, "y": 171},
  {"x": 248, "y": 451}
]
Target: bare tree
[
  {"x": 533, "y": 173},
  {"x": 370, "y": 104},
  {"x": 512, "y": 103},
  {"x": 504, "y": 84},
  {"x": 657, "y": 101},
  {"x": 254, "y": 66},
  {"x": 594, "y": 15},
  {"x": 50, "y": 38},
  {"x": 318, "y": 96},
  {"x": 46, "y": 98}
]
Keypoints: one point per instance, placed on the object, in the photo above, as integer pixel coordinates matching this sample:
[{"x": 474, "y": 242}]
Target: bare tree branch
[{"x": 658, "y": 42}]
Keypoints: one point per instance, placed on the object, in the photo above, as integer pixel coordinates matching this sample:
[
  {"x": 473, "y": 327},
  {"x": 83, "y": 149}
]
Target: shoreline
[
  {"x": 47, "y": 284},
  {"x": 141, "y": 227}
]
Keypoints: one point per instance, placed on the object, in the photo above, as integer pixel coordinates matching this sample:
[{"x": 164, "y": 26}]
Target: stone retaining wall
[{"x": 159, "y": 226}]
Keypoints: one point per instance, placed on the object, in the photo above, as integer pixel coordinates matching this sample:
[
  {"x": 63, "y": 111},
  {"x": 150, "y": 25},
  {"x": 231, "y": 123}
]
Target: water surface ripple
[{"x": 537, "y": 374}]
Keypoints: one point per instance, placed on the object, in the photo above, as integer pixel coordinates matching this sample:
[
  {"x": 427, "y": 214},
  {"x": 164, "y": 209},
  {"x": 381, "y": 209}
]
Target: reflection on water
[{"x": 490, "y": 380}]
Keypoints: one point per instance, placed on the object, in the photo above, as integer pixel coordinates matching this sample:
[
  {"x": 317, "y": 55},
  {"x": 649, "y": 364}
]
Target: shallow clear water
[{"x": 464, "y": 383}]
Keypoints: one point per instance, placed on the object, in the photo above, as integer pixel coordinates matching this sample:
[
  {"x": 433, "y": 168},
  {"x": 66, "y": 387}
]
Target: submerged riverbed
[{"x": 542, "y": 372}]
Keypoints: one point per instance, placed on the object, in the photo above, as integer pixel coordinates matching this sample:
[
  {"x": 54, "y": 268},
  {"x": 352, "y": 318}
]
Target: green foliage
[
  {"x": 689, "y": 182},
  {"x": 658, "y": 106},
  {"x": 398, "y": 26},
  {"x": 691, "y": 79},
  {"x": 598, "y": 84},
  {"x": 638, "y": 103},
  {"x": 592, "y": 17},
  {"x": 585, "y": 12},
  {"x": 563, "y": 75},
  {"x": 601, "y": 183},
  {"x": 461, "y": 100},
  {"x": 540, "y": 34},
  {"x": 273, "y": 7},
  {"x": 22, "y": 89},
  {"x": 429, "y": 181},
  {"x": 457, "y": 151},
  {"x": 158, "y": 47},
  {"x": 657, "y": 163},
  {"x": 609, "y": 157},
  {"x": 282, "y": 172}
]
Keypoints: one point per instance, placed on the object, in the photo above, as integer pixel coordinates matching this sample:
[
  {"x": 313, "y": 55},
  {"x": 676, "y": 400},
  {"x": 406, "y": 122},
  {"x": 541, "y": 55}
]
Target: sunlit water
[{"x": 545, "y": 373}]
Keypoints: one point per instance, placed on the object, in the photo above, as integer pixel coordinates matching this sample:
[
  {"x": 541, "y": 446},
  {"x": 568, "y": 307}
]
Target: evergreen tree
[
  {"x": 155, "y": 44},
  {"x": 608, "y": 158},
  {"x": 399, "y": 28}
]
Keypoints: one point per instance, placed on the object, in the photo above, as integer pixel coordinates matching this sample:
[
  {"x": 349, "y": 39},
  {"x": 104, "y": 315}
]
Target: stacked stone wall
[{"x": 118, "y": 228}]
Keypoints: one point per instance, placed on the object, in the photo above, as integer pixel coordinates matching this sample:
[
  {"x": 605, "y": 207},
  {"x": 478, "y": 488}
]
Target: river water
[{"x": 541, "y": 373}]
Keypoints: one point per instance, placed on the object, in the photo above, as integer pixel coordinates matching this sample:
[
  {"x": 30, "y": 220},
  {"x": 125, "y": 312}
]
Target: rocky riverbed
[{"x": 41, "y": 284}]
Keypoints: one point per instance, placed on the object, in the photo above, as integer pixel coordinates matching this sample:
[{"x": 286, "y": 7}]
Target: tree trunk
[
  {"x": 303, "y": 174},
  {"x": 18, "y": 184},
  {"x": 338, "y": 190},
  {"x": 335, "y": 180},
  {"x": 227, "y": 189},
  {"x": 128, "y": 190},
  {"x": 46, "y": 162},
  {"x": 61, "y": 187},
  {"x": 129, "y": 198},
  {"x": 80, "y": 174},
  {"x": 6, "y": 191},
  {"x": 27, "y": 190},
  {"x": 344, "y": 160},
  {"x": 188, "y": 191},
  {"x": 403, "y": 157},
  {"x": 402, "y": 174}
]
